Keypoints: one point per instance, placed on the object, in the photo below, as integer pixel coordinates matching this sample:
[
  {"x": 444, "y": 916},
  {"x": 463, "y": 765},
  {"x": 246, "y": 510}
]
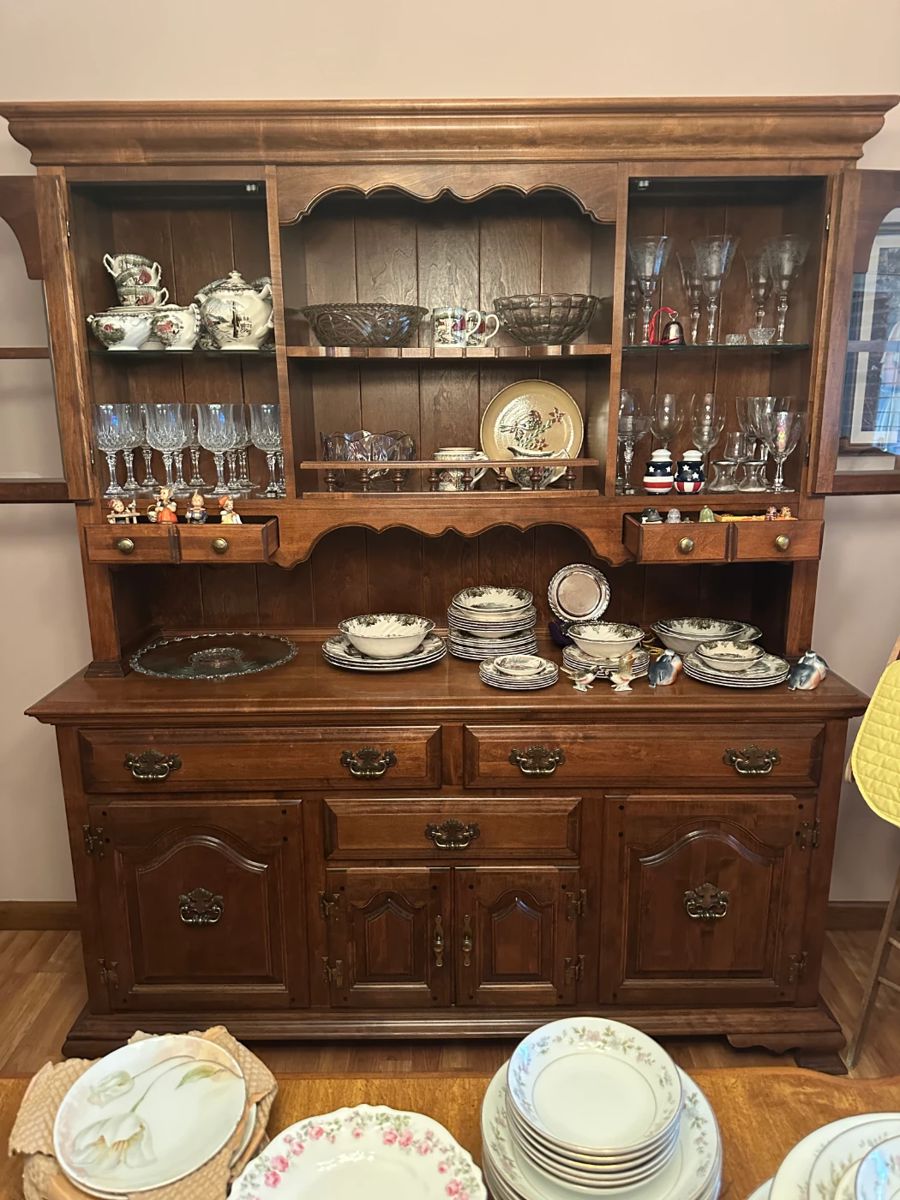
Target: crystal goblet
[
  {"x": 633, "y": 425},
  {"x": 781, "y": 431},
  {"x": 167, "y": 433},
  {"x": 216, "y": 431},
  {"x": 707, "y": 423},
  {"x": 759, "y": 281},
  {"x": 265, "y": 434},
  {"x": 111, "y": 434},
  {"x": 714, "y": 256},
  {"x": 648, "y": 255},
  {"x": 693, "y": 290},
  {"x": 785, "y": 256}
]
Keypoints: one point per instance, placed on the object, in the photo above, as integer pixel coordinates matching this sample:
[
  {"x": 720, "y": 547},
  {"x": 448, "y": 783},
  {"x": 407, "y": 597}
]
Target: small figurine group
[
  {"x": 164, "y": 510},
  {"x": 121, "y": 513},
  {"x": 779, "y": 514}
]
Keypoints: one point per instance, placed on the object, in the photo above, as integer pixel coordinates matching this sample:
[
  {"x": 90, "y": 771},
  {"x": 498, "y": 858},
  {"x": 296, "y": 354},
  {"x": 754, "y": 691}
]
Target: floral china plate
[
  {"x": 534, "y": 416},
  {"x": 366, "y": 1152},
  {"x": 791, "y": 1180},
  {"x": 148, "y": 1114}
]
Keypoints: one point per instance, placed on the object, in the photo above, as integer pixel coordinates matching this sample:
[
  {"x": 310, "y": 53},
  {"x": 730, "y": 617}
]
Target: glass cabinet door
[{"x": 859, "y": 446}]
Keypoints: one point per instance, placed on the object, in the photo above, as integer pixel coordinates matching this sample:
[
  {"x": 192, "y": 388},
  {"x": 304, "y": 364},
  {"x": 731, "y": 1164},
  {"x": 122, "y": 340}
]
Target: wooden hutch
[{"x": 554, "y": 882}]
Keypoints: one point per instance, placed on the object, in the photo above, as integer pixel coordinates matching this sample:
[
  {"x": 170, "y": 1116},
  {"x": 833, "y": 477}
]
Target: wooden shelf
[
  {"x": 718, "y": 348},
  {"x": 33, "y": 491},
  {"x": 178, "y": 355},
  {"x": 455, "y": 353},
  {"x": 24, "y": 352}
]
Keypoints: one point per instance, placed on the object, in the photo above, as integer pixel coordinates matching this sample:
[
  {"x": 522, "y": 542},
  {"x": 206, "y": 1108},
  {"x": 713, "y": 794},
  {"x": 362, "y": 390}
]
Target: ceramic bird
[
  {"x": 624, "y": 673},
  {"x": 665, "y": 669},
  {"x": 808, "y": 673},
  {"x": 582, "y": 681}
]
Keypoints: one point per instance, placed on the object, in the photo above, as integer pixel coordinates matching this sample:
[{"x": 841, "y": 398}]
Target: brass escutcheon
[
  {"x": 537, "y": 760},
  {"x": 150, "y": 765},
  {"x": 751, "y": 760},
  {"x": 368, "y": 763},
  {"x": 452, "y": 834},
  {"x": 706, "y": 903}
]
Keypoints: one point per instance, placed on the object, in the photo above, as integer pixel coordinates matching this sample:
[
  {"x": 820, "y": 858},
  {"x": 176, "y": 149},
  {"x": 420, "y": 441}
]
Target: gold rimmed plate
[{"x": 532, "y": 417}]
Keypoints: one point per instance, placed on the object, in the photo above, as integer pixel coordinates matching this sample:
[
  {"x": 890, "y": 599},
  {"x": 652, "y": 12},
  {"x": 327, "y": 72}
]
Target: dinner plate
[
  {"x": 473, "y": 654},
  {"x": 791, "y": 1180},
  {"x": 575, "y": 657},
  {"x": 578, "y": 593},
  {"x": 834, "y": 1171},
  {"x": 575, "y": 1077},
  {"x": 766, "y": 672},
  {"x": 762, "y": 1192},
  {"x": 148, "y": 1114},
  {"x": 510, "y": 685},
  {"x": 362, "y": 1153},
  {"x": 535, "y": 416},
  {"x": 878, "y": 1175}
]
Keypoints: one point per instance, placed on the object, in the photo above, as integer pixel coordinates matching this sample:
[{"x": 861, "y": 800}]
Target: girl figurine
[
  {"x": 196, "y": 513},
  {"x": 164, "y": 509},
  {"x": 229, "y": 516}
]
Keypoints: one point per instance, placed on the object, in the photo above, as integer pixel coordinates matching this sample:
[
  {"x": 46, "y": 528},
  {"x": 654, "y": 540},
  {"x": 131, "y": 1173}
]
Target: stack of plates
[
  {"x": 765, "y": 672},
  {"x": 339, "y": 651},
  {"x": 518, "y": 672},
  {"x": 576, "y": 660},
  {"x": 486, "y": 621},
  {"x": 856, "y": 1158},
  {"x": 150, "y": 1114},
  {"x": 588, "y": 1106}
]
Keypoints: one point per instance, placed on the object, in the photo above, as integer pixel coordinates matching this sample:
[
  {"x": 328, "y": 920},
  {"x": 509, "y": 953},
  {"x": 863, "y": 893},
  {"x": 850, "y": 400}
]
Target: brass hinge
[
  {"x": 808, "y": 835},
  {"x": 109, "y": 976},
  {"x": 334, "y": 974},
  {"x": 828, "y": 220},
  {"x": 68, "y": 231},
  {"x": 576, "y": 904},
  {"x": 797, "y": 968},
  {"x": 573, "y": 968},
  {"x": 328, "y": 902},
  {"x": 93, "y": 840}
]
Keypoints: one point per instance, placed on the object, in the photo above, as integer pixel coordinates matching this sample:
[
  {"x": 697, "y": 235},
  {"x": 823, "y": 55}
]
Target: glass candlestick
[
  {"x": 785, "y": 256},
  {"x": 648, "y": 256},
  {"x": 714, "y": 256}
]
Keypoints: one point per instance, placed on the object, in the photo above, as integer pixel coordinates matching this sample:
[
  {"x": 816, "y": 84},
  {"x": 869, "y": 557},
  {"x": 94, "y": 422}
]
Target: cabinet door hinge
[
  {"x": 828, "y": 220},
  {"x": 797, "y": 967},
  {"x": 576, "y": 904},
  {"x": 573, "y": 969},
  {"x": 334, "y": 973},
  {"x": 68, "y": 231},
  {"x": 93, "y": 840},
  {"x": 328, "y": 902},
  {"x": 109, "y": 975},
  {"x": 808, "y": 835}
]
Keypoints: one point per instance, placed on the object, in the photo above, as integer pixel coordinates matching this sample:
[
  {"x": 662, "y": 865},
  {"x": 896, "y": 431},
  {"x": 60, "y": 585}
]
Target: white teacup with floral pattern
[
  {"x": 122, "y": 329},
  {"x": 178, "y": 327}
]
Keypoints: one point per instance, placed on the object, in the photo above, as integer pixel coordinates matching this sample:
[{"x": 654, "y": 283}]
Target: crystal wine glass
[
  {"x": 216, "y": 432},
  {"x": 745, "y": 407},
  {"x": 150, "y": 483},
  {"x": 244, "y": 482},
  {"x": 648, "y": 256},
  {"x": 265, "y": 433},
  {"x": 781, "y": 430},
  {"x": 134, "y": 423},
  {"x": 693, "y": 290},
  {"x": 785, "y": 256},
  {"x": 166, "y": 432},
  {"x": 707, "y": 423},
  {"x": 111, "y": 433},
  {"x": 666, "y": 418},
  {"x": 633, "y": 424},
  {"x": 759, "y": 281},
  {"x": 196, "y": 481},
  {"x": 714, "y": 256}
]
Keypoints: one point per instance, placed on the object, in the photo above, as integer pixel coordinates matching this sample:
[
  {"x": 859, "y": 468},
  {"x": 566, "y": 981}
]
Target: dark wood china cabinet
[{"x": 312, "y": 853}]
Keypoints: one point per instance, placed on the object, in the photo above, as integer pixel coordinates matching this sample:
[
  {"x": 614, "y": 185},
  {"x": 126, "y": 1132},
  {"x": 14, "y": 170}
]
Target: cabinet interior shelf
[
  {"x": 717, "y": 347},
  {"x": 455, "y": 353},
  {"x": 176, "y": 355}
]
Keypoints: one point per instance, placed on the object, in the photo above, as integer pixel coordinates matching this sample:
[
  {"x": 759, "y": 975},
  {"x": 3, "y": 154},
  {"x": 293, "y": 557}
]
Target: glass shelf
[{"x": 718, "y": 347}]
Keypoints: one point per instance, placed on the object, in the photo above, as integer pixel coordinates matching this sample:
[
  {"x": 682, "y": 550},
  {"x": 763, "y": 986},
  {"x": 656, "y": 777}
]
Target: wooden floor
[{"x": 42, "y": 991}]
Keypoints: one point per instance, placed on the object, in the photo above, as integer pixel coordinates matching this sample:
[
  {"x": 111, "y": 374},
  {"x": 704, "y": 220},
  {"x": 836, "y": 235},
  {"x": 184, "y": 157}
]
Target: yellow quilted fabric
[{"x": 876, "y": 752}]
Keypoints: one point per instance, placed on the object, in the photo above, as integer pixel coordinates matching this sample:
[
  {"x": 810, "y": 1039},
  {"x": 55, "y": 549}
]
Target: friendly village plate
[
  {"x": 765, "y": 672},
  {"x": 339, "y": 651},
  {"x": 534, "y": 416},
  {"x": 486, "y": 603}
]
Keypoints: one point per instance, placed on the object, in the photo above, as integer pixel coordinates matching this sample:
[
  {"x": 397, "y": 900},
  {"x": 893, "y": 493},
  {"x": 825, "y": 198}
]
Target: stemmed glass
[
  {"x": 633, "y": 423},
  {"x": 196, "y": 481},
  {"x": 759, "y": 281},
  {"x": 112, "y": 434},
  {"x": 714, "y": 256},
  {"x": 781, "y": 430},
  {"x": 707, "y": 423},
  {"x": 150, "y": 483},
  {"x": 265, "y": 433},
  {"x": 166, "y": 433},
  {"x": 648, "y": 256},
  {"x": 745, "y": 407},
  {"x": 134, "y": 424},
  {"x": 785, "y": 256},
  {"x": 632, "y": 301},
  {"x": 666, "y": 418},
  {"x": 243, "y": 483},
  {"x": 216, "y": 433},
  {"x": 693, "y": 290}
]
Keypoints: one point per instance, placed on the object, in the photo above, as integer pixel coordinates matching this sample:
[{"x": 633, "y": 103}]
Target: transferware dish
[
  {"x": 684, "y": 634},
  {"x": 476, "y": 653},
  {"x": 605, "y": 639},
  {"x": 576, "y": 660},
  {"x": 578, "y": 593},
  {"x": 374, "y": 324},
  {"x": 532, "y": 415},
  {"x": 729, "y": 654},
  {"x": 765, "y": 672},
  {"x": 368, "y": 1152},
  {"x": 386, "y": 635},
  {"x": 339, "y": 651},
  {"x": 520, "y": 666},
  {"x": 488, "y": 603},
  {"x": 492, "y": 629},
  {"x": 545, "y": 676},
  {"x": 546, "y": 319}
]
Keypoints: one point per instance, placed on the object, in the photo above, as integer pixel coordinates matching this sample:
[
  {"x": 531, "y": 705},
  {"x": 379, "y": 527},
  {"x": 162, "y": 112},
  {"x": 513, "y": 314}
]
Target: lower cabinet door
[
  {"x": 516, "y": 934},
  {"x": 388, "y": 937},
  {"x": 704, "y": 899},
  {"x": 201, "y": 903}
]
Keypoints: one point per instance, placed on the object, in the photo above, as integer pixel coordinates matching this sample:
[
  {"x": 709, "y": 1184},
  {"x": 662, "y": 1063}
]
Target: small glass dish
[
  {"x": 761, "y": 336},
  {"x": 735, "y": 339}
]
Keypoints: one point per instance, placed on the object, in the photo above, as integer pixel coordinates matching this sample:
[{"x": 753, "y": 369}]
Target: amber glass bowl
[
  {"x": 364, "y": 324},
  {"x": 547, "y": 319}
]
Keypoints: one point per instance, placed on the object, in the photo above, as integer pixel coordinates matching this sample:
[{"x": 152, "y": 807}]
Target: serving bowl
[
  {"x": 546, "y": 319},
  {"x": 729, "y": 655},
  {"x": 386, "y": 635},
  {"x": 372, "y": 324},
  {"x": 684, "y": 634},
  {"x": 605, "y": 639}
]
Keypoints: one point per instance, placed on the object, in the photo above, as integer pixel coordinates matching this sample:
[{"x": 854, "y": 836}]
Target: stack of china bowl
[
  {"x": 487, "y": 621},
  {"x": 518, "y": 672},
  {"x": 684, "y": 634},
  {"x": 378, "y": 642},
  {"x": 129, "y": 324},
  {"x": 855, "y": 1158},
  {"x": 588, "y": 1106},
  {"x": 601, "y": 645}
]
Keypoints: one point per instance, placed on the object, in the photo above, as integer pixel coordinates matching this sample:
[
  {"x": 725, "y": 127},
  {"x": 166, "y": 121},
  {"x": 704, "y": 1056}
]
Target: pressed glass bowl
[
  {"x": 364, "y": 324},
  {"x": 547, "y": 319}
]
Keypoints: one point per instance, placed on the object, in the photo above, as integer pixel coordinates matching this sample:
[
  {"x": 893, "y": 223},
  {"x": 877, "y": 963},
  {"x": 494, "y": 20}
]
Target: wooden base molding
[
  {"x": 39, "y": 914},
  {"x": 855, "y": 914}
]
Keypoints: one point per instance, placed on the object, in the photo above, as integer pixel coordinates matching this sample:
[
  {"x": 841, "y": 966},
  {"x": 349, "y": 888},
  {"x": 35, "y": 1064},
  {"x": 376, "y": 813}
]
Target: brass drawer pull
[
  {"x": 219, "y": 545},
  {"x": 125, "y": 545},
  {"x": 452, "y": 834},
  {"x": 706, "y": 903},
  {"x": 686, "y": 545},
  {"x": 751, "y": 760},
  {"x": 537, "y": 760},
  {"x": 368, "y": 763},
  {"x": 150, "y": 766},
  {"x": 201, "y": 907},
  {"x": 468, "y": 941},
  {"x": 782, "y": 542},
  {"x": 437, "y": 942}
]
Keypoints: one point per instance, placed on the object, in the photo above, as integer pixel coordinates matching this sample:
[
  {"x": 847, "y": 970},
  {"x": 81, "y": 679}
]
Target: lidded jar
[
  {"x": 659, "y": 474},
  {"x": 689, "y": 478}
]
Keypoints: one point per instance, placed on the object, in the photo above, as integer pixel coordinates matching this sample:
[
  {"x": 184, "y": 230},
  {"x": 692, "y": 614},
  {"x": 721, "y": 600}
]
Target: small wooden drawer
[
  {"x": 688, "y": 754},
  {"x": 196, "y": 760},
  {"x": 452, "y": 828},
  {"x": 688, "y": 541},
  {"x": 247, "y": 543},
  {"x": 776, "y": 539},
  {"x": 131, "y": 543}
]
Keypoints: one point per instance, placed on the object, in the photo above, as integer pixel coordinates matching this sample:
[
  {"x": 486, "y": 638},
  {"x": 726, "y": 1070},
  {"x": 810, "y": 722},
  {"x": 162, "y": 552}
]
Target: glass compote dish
[
  {"x": 265, "y": 433},
  {"x": 781, "y": 430},
  {"x": 759, "y": 281},
  {"x": 666, "y": 418},
  {"x": 216, "y": 431},
  {"x": 707, "y": 423},
  {"x": 112, "y": 434},
  {"x": 633, "y": 425},
  {"x": 648, "y": 255},
  {"x": 167, "y": 433},
  {"x": 693, "y": 290},
  {"x": 714, "y": 256},
  {"x": 785, "y": 256}
]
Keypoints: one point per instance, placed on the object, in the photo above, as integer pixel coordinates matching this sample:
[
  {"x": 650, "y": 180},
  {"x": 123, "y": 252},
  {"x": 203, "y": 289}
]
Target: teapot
[{"x": 235, "y": 314}]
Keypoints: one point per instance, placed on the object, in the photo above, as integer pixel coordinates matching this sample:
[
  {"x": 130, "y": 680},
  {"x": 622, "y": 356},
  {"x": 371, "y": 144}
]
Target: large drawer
[
  {"x": 193, "y": 760},
  {"x": 131, "y": 543},
  {"x": 453, "y": 828},
  {"x": 711, "y": 755}
]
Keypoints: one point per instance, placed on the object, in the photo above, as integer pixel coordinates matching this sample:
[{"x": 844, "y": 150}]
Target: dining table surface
[{"x": 762, "y": 1112}]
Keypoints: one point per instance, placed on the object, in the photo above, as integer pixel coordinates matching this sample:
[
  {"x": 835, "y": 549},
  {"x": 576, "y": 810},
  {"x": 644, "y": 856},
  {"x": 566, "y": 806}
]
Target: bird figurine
[
  {"x": 622, "y": 676},
  {"x": 807, "y": 673},
  {"x": 665, "y": 669},
  {"x": 582, "y": 681}
]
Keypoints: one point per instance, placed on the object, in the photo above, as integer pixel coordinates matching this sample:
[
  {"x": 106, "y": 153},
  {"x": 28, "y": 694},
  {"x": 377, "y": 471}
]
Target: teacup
[
  {"x": 142, "y": 297},
  {"x": 481, "y": 333},
  {"x": 117, "y": 263},
  {"x": 177, "y": 327},
  {"x": 127, "y": 329},
  {"x": 139, "y": 276},
  {"x": 454, "y": 481},
  {"x": 522, "y": 475}
]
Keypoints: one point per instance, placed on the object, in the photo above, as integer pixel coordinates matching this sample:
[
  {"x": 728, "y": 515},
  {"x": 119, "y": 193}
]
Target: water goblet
[
  {"x": 693, "y": 290},
  {"x": 196, "y": 481},
  {"x": 648, "y": 256},
  {"x": 632, "y": 302},
  {"x": 216, "y": 432},
  {"x": 781, "y": 430},
  {"x": 265, "y": 434},
  {"x": 759, "y": 281},
  {"x": 785, "y": 256},
  {"x": 241, "y": 482},
  {"x": 134, "y": 424},
  {"x": 714, "y": 256},
  {"x": 166, "y": 432},
  {"x": 666, "y": 418},
  {"x": 707, "y": 423},
  {"x": 633, "y": 425},
  {"x": 111, "y": 434}
]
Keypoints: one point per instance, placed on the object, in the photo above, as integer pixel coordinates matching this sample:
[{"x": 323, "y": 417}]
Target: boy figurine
[
  {"x": 121, "y": 513},
  {"x": 229, "y": 516},
  {"x": 196, "y": 513}
]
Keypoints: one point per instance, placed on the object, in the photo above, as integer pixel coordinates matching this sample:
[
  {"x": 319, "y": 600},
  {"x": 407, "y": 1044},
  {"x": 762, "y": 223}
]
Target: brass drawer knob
[
  {"x": 686, "y": 545},
  {"x": 537, "y": 760},
  {"x": 201, "y": 907},
  {"x": 751, "y": 760},
  {"x": 125, "y": 545},
  {"x": 219, "y": 545},
  {"x": 452, "y": 834},
  {"x": 150, "y": 766},
  {"x": 782, "y": 542},
  {"x": 706, "y": 903},
  {"x": 368, "y": 763}
]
